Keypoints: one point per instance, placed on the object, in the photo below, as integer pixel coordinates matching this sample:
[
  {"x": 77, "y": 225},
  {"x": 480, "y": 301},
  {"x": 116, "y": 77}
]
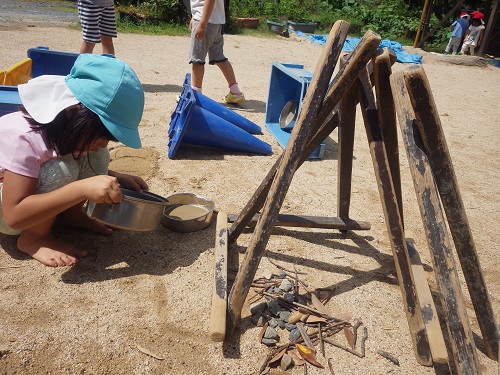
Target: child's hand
[
  {"x": 102, "y": 189},
  {"x": 129, "y": 181}
]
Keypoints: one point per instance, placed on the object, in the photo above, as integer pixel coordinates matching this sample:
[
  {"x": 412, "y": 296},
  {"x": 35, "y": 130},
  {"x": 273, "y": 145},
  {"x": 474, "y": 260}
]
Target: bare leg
[
  {"x": 76, "y": 217},
  {"x": 197, "y": 73},
  {"x": 227, "y": 69},
  {"x": 87, "y": 47},
  {"x": 39, "y": 243},
  {"x": 107, "y": 45}
]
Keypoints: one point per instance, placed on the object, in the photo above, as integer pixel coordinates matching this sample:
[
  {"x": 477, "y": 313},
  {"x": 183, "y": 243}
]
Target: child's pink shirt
[{"x": 22, "y": 150}]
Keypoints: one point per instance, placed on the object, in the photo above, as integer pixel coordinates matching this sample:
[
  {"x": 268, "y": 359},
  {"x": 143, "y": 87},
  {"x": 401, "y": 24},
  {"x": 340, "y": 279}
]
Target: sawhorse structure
[{"x": 332, "y": 103}]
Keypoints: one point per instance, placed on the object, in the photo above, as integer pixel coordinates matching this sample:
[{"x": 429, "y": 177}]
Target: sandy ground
[{"x": 152, "y": 291}]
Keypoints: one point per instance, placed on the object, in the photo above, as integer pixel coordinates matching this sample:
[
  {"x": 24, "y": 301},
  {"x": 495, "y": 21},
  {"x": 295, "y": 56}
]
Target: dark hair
[{"x": 68, "y": 132}]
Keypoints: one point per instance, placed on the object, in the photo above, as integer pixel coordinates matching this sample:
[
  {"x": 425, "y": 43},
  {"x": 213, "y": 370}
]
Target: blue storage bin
[
  {"x": 9, "y": 99},
  {"x": 287, "y": 87},
  {"x": 46, "y": 61}
]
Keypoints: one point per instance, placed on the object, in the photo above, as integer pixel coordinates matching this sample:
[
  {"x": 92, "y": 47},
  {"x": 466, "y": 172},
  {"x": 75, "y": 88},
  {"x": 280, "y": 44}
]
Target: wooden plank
[
  {"x": 429, "y": 124},
  {"x": 459, "y": 331},
  {"x": 393, "y": 222},
  {"x": 310, "y": 108},
  {"x": 284, "y": 220},
  {"x": 334, "y": 43},
  {"x": 217, "y": 325},
  {"x": 429, "y": 312},
  {"x": 346, "y": 129},
  {"x": 382, "y": 63}
]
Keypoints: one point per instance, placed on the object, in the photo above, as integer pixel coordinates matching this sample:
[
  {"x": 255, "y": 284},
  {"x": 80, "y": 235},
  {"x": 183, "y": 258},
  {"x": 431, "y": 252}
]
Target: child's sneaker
[{"x": 234, "y": 99}]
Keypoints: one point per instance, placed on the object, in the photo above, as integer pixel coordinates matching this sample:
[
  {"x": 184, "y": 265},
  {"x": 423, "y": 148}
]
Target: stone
[
  {"x": 271, "y": 334},
  {"x": 258, "y": 307},
  {"x": 286, "y": 285},
  {"x": 294, "y": 335},
  {"x": 286, "y": 362}
]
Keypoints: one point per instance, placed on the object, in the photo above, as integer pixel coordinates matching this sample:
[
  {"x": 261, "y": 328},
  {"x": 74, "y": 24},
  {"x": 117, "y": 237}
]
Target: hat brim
[
  {"x": 129, "y": 137},
  {"x": 45, "y": 97}
]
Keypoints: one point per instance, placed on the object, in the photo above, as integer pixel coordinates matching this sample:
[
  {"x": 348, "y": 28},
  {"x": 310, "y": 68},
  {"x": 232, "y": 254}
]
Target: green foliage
[
  {"x": 247, "y": 8},
  {"x": 166, "y": 10}
]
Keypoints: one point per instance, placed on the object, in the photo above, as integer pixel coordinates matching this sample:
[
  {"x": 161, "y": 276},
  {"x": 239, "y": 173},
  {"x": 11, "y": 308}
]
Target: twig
[
  {"x": 388, "y": 356},
  {"x": 346, "y": 348},
  {"x": 321, "y": 343},
  {"x": 363, "y": 339},
  {"x": 355, "y": 332},
  {"x": 330, "y": 366},
  {"x": 6, "y": 267},
  {"x": 283, "y": 268}
]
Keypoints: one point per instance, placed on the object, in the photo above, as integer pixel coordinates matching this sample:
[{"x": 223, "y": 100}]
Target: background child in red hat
[
  {"x": 474, "y": 35},
  {"x": 459, "y": 28}
]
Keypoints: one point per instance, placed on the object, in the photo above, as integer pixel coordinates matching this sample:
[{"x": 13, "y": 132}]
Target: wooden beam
[
  {"x": 310, "y": 108},
  {"x": 393, "y": 222},
  {"x": 284, "y": 220},
  {"x": 319, "y": 131},
  {"x": 436, "y": 149},
  {"x": 217, "y": 326},
  {"x": 452, "y": 300}
]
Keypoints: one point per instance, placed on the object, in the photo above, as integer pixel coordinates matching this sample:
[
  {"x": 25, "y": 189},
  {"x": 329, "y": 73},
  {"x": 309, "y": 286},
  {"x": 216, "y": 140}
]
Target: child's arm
[
  {"x": 208, "y": 8},
  {"x": 22, "y": 208},
  {"x": 481, "y": 34},
  {"x": 129, "y": 181}
]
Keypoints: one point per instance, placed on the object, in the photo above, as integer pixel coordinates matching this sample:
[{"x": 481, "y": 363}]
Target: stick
[{"x": 217, "y": 326}]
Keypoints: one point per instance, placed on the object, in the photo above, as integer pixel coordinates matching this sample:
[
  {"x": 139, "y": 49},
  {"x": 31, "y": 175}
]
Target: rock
[
  {"x": 269, "y": 342},
  {"x": 286, "y": 362},
  {"x": 294, "y": 335},
  {"x": 267, "y": 274},
  {"x": 259, "y": 320},
  {"x": 281, "y": 324},
  {"x": 289, "y": 297},
  {"x": 290, "y": 327},
  {"x": 273, "y": 323},
  {"x": 274, "y": 307},
  {"x": 286, "y": 285},
  {"x": 271, "y": 334},
  {"x": 258, "y": 308},
  {"x": 284, "y": 315}
]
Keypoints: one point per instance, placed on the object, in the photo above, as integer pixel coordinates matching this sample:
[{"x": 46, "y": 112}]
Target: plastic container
[
  {"x": 305, "y": 27},
  {"x": 45, "y": 61},
  {"x": 9, "y": 100},
  {"x": 276, "y": 27},
  {"x": 287, "y": 88}
]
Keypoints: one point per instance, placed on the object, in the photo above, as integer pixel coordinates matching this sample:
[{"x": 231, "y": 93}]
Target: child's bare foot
[
  {"x": 79, "y": 219},
  {"x": 50, "y": 251}
]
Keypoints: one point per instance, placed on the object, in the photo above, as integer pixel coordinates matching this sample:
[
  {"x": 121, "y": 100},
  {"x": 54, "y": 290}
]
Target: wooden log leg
[
  {"x": 434, "y": 141},
  {"x": 345, "y": 150},
  {"x": 393, "y": 222},
  {"x": 287, "y": 168},
  {"x": 333, "y": 45},
  {"x": 460, "y": 333},
  {"x": 217, "y": 326},
  {"x": 382, "y": 63}
]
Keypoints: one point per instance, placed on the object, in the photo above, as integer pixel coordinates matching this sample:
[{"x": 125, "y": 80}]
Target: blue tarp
[{"x": 351, "y": 43}]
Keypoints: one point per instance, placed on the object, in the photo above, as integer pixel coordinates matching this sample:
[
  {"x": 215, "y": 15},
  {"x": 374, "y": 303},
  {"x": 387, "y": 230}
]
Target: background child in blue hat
[
  {"x": 459, "y": 28},
  {"x": 54, "y": 156}
]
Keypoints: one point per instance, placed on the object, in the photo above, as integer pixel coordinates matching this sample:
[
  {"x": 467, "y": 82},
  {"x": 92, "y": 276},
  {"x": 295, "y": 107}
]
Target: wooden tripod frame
[{"x": 319, "y": 116}]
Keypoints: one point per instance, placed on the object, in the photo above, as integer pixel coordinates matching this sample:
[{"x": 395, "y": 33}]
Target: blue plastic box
[
  {"x": 9, "y": 100},
  {"x": 46, "y": 61},
  {"x": 287, "y": 88}
]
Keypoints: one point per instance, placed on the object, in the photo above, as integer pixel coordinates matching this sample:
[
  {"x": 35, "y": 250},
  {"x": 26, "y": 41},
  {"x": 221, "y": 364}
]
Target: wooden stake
[
  {"x": 394, "y": 222},
  {"x": 429, "y": 124},
  {"x": 217, "y": 326}
]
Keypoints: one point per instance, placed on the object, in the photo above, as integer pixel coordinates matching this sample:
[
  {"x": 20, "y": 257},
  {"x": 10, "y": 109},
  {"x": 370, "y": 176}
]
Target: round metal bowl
[
  {"x": 138, "y": 212},
  {"x": 187, "y": 212}
]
